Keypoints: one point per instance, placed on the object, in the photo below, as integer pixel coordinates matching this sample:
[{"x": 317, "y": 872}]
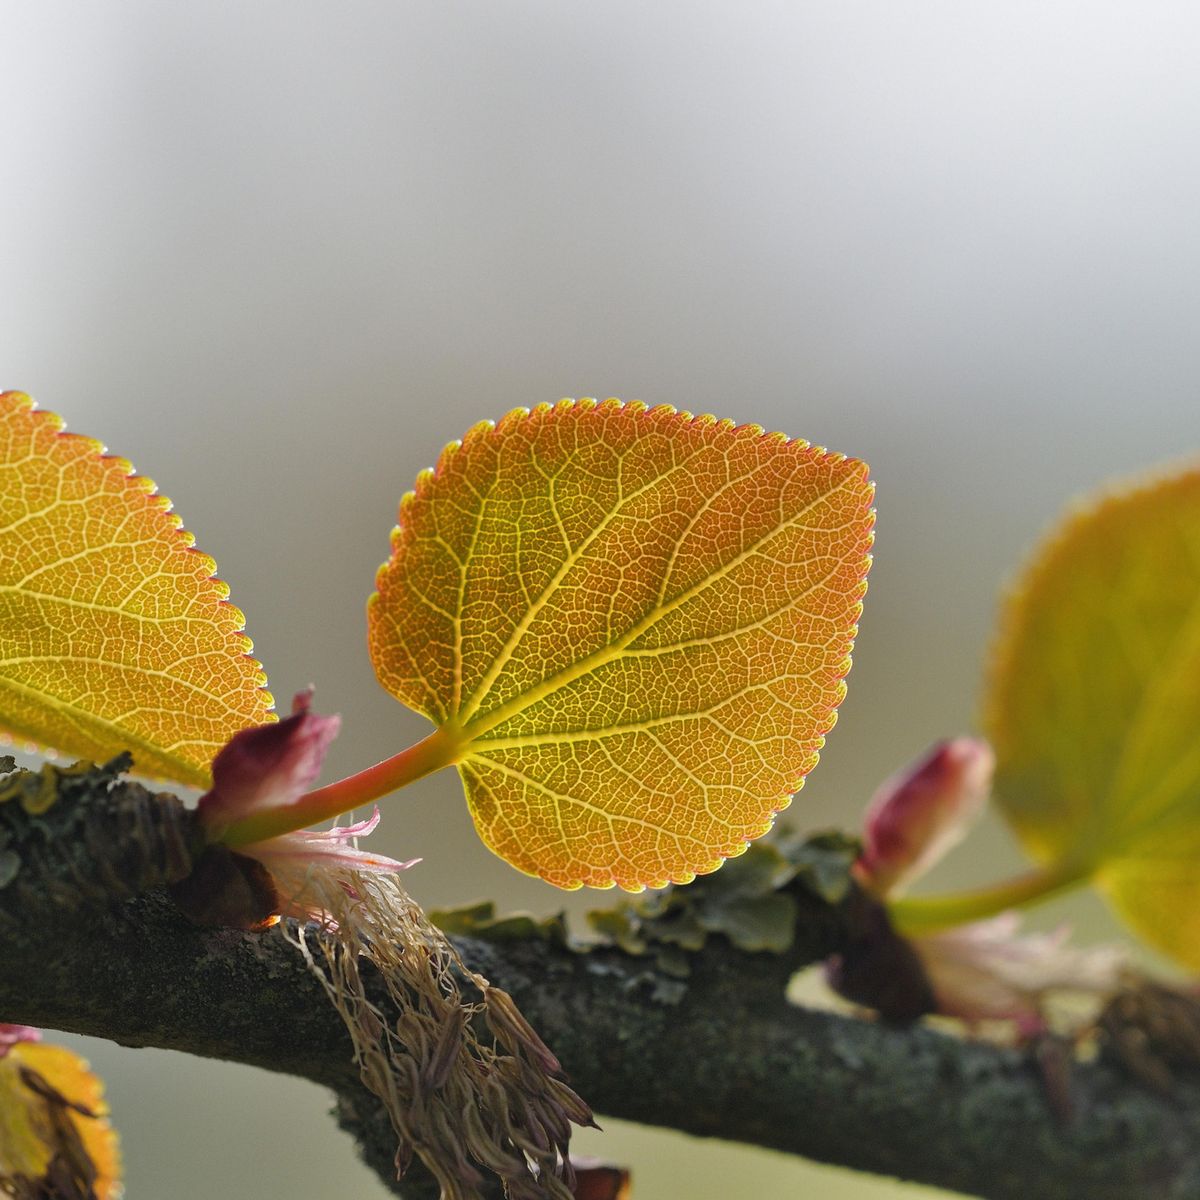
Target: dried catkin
[{"x": 469, "y": 1086}]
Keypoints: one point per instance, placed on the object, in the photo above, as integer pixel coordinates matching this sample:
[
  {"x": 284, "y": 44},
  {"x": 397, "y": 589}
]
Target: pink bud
[
  {"x": 267, "y": 766},
  {"x": 921, "y": 813},
  {"x": 264, "y": 768}
]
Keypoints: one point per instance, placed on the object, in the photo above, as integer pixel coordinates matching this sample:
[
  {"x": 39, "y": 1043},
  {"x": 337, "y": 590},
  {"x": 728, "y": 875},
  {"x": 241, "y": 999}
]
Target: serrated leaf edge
[
  {"x": 427, "y": 477},
  {"x": 187, "y": 541}
]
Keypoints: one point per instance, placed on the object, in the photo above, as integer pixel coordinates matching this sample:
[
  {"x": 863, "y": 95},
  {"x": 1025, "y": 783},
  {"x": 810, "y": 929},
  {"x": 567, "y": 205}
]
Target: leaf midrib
[
  {"x": 476, "y": 699},
  {"x": 122, "y": 738}
]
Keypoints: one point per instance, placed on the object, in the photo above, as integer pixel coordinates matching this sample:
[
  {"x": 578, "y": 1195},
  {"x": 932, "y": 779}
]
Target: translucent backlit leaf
[
  {"x": 55, "y": 1139},
  {"x": 633, "y": 627},
  {"x": 1094, "y": 705},
  {"x": 113, "y": 632}
]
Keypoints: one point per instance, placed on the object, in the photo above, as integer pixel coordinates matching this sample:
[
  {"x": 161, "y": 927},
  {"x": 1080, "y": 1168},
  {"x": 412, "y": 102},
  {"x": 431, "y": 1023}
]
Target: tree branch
[{"x": 92, "y": 945}]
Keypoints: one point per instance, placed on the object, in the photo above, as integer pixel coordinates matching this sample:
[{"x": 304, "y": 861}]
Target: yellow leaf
[
  {"x": 632, "y": 625},
  {"x": 1094, "y": 705},
  {"x": 113, "y": 632},
  {"x": 53, "y": 1127}
]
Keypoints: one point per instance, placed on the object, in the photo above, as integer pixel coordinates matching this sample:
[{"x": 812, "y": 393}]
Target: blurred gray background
[{"x": 278, "y": 253}]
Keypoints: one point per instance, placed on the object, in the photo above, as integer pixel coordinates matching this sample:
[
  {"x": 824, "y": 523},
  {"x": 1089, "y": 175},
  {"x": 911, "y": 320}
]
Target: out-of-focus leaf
[
  {"x": 55, "y": 1140},
  {"x": 114, "y": 634},
  {"x": 1094, "y": 706},
  {"x": 633, "y": 627}
]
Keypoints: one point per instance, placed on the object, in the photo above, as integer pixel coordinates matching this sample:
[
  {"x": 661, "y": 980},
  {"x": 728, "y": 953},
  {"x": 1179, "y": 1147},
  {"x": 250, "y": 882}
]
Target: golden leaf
[
  {"x": 633, "y": 627},
  {"x": 113, "y": 632},
  {"x": 55, "y": 1139}
]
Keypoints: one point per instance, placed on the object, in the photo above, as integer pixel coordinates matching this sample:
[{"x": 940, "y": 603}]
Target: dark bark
[{"x": 91, "y": 945}]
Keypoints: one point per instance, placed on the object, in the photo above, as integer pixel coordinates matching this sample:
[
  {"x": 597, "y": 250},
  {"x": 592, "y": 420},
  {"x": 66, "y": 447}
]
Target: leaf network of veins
[{"x": 465, "y": 717}]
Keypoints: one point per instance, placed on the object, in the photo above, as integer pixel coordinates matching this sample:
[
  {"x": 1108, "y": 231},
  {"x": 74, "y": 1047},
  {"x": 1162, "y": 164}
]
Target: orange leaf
[
  {"x": 632, "y": 625},
  {"x": 53, "y": 1133},
  {"x": 113, "y": 632}
]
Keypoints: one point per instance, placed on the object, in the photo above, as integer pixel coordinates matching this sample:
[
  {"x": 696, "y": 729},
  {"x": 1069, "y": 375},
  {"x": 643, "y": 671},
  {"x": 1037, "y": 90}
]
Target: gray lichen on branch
[
  {"x": 731, "y": 1058},
  {"x": 75, "y": 836}
]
